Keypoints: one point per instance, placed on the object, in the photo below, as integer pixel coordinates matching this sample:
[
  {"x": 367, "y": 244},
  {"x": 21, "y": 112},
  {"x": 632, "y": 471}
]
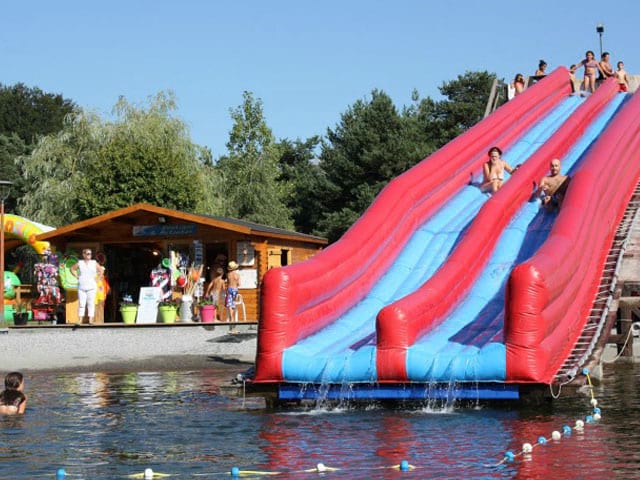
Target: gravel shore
[{"x": 126, "y": 347}]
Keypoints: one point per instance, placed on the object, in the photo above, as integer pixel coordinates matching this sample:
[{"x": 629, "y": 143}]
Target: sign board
[
  {"x": 164, "y": 230},
  {"x": 248, "y": 278},
  {"x": 148, "y": 300}
]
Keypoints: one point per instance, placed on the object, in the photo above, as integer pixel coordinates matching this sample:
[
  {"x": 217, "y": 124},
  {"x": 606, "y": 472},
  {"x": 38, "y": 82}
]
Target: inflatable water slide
[{"x": 441, "y": 288}]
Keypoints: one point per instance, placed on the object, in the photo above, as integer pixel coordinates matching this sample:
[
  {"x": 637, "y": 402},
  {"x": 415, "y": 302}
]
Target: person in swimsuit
[
  {"x": 553, "y": 187},
  {"x": 541, "y": 71},
  {"x": 606, "y": 70},
  {"x": 590, "y": 67},
  {"x": 12, "y": 399},
  {"x": 233, "y": 284},
  {"x": 621, "y": 77},
  {"x": 215, "y": 289},
  {"x": 518, "y": 84},
  {"x": 493, "y": 171}
]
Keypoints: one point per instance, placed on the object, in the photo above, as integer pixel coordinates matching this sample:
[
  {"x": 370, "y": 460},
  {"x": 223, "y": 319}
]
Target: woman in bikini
[
  {"x": 518, "y": 84},
  {"x": 493, "y": 171},
  {"x": 590, "y": 67}
]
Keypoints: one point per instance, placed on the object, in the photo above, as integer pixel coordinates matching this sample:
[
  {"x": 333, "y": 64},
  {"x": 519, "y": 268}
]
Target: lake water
[{"x": 110, "y": 426}]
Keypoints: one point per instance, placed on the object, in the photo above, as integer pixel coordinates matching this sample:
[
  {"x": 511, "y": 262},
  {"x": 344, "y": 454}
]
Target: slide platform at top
[{"x": 302, "y": 301}]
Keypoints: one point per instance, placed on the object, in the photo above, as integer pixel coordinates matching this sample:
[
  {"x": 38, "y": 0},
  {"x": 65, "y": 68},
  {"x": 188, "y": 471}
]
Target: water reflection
[{"x": 105, "y": 426}]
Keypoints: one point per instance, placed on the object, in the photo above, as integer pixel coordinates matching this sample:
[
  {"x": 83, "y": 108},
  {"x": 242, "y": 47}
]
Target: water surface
[{"x": 113, "y": 425}]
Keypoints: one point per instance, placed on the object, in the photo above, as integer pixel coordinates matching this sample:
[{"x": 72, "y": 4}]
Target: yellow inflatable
[{"x": 25, "y": 230}]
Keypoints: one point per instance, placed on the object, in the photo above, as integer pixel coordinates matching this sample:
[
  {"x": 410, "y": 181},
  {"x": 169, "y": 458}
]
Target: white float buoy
[
  {"x": 579, "y": 424},
  {"x": 596, "y": 416},
  {"x": 321, "y": 468},
  {"x": 148, "y": 474},
  {"x": 527, "y": 448},
  {"x": 594, "y": 402},
  {"x": 556, "y": 435}
]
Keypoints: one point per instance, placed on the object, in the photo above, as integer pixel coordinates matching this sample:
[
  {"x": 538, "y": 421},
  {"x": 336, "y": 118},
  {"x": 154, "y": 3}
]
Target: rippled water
[{"x": 109, "y": 426}]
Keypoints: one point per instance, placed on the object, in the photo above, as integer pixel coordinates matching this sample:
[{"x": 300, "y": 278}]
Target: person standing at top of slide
[
  {"x": 87, "y": 271},
  {"x": 591, "y": 66}
]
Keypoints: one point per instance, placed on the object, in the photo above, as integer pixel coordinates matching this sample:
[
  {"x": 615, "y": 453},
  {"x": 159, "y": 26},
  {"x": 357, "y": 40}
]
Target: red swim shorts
[{"x": 623, "y": 87}]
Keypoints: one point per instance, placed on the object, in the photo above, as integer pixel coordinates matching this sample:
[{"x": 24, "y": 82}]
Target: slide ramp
[{"x": 467, "y": 342}]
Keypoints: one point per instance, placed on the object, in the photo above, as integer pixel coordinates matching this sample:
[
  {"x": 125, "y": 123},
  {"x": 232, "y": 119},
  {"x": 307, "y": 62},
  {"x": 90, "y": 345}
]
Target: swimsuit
[
  {"x": 229, "y": 300},
  {"x": 496, "y": 177},
  {"x": 591, "y": 64}
]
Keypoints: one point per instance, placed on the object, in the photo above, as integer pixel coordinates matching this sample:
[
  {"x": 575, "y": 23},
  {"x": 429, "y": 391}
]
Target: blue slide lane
[
  {"x": 469, "y": 345},
  {"x": 345, "y": 350}
]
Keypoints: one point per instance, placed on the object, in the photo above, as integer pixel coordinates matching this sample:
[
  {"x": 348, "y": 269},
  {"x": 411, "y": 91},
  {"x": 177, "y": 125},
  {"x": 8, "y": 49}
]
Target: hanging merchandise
[{"x": 160, "y": 278}]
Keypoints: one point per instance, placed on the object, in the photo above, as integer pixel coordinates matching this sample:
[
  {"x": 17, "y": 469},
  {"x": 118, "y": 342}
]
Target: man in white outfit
[{"x": 87, "y": 271}]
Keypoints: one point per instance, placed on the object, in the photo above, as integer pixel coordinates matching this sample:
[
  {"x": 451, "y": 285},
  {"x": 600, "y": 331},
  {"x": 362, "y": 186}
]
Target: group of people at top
[
  {"x": 551, "y": 189},
  {"x": 603, "y": 68}
]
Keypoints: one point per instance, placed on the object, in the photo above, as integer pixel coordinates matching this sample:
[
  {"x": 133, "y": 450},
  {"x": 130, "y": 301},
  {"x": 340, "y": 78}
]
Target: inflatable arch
[{"x": 22, "y": 229}]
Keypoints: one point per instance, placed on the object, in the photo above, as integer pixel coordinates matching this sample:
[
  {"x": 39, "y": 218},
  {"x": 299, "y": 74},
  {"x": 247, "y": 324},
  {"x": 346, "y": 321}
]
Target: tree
[
  {"x": 249, "y": 174},
  {"x": 467, "y": 98},
  {"x": 372, "y": 144},
  {"x": 299, "y": 168},
  {"x": 92, "y": 167},
  {"x": 11, "y": 147},
  {"x": 30, "y": 112}
]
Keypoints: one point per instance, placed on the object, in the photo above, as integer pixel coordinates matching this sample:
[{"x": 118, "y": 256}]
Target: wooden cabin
[{"x": 133, "y": 241}]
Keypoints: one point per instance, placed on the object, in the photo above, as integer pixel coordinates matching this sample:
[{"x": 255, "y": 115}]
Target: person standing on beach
[
  {"x": 87, "y": 271},
  {"x": 12, "y": 399},
  {"x": 233, "y": 283}
]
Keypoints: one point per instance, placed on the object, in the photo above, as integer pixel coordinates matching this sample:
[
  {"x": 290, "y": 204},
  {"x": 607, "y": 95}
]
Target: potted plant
[
  {"x": 168, "y": 310},
  {"x": 21, "y": 313},
  {"x": 207, "y": 311},
  {"x": 128, "y": 309}
]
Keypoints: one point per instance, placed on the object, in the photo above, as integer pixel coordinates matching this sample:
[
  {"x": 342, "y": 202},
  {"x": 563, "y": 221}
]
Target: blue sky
[{"x": 307, "y": 61}]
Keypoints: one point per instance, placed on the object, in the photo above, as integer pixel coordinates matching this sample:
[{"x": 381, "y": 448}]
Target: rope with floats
[{"x": 556, "y": 435}]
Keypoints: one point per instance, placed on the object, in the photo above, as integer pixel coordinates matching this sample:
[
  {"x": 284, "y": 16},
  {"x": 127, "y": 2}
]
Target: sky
[{"x": 307, "y": 61}]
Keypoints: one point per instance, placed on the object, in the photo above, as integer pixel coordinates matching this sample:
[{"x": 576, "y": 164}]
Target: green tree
[
  {"x": 29, "y": 112},
  {"x": 26, "y": 113},
  {"x": 11, "y": 147},
  {"x": 467, "y": 98},
  {"x": 249, "y": 175},
  {"x": 92, "y": 167},
  {"x": 372, "y": 144},
  {"x": 299, "y": 168}
]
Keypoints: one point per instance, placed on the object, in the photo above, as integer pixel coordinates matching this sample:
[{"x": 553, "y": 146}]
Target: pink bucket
[{"x": 207, "y": 313}]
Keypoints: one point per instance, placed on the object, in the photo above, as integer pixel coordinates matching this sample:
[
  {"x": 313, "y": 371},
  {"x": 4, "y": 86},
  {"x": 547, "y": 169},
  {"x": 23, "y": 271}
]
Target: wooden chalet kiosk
[{"x": 133, "y": 241}]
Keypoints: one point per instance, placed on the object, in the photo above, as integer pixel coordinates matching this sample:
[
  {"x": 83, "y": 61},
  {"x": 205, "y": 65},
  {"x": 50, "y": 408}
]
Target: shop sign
[{"x": 164, "y": 230}]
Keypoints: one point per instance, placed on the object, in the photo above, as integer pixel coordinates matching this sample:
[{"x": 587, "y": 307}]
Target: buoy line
[{"x": 556, "y": 435}]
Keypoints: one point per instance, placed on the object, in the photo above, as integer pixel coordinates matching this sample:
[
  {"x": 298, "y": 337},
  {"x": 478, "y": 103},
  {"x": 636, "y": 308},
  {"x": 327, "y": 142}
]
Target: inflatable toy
[
  {"x": 22, "y": 229},
  {"x": 11, "y": 281}
]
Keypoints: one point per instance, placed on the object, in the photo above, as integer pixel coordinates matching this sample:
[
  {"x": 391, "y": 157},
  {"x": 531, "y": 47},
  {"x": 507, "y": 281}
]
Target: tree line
[{"x": 69, "y": 164}]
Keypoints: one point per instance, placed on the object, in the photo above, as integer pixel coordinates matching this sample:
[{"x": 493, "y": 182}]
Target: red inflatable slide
[
  {"x": 402, "y": 322},
  {"x": 550, "y": 295},
  {"x": 301, "y": 299}
]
